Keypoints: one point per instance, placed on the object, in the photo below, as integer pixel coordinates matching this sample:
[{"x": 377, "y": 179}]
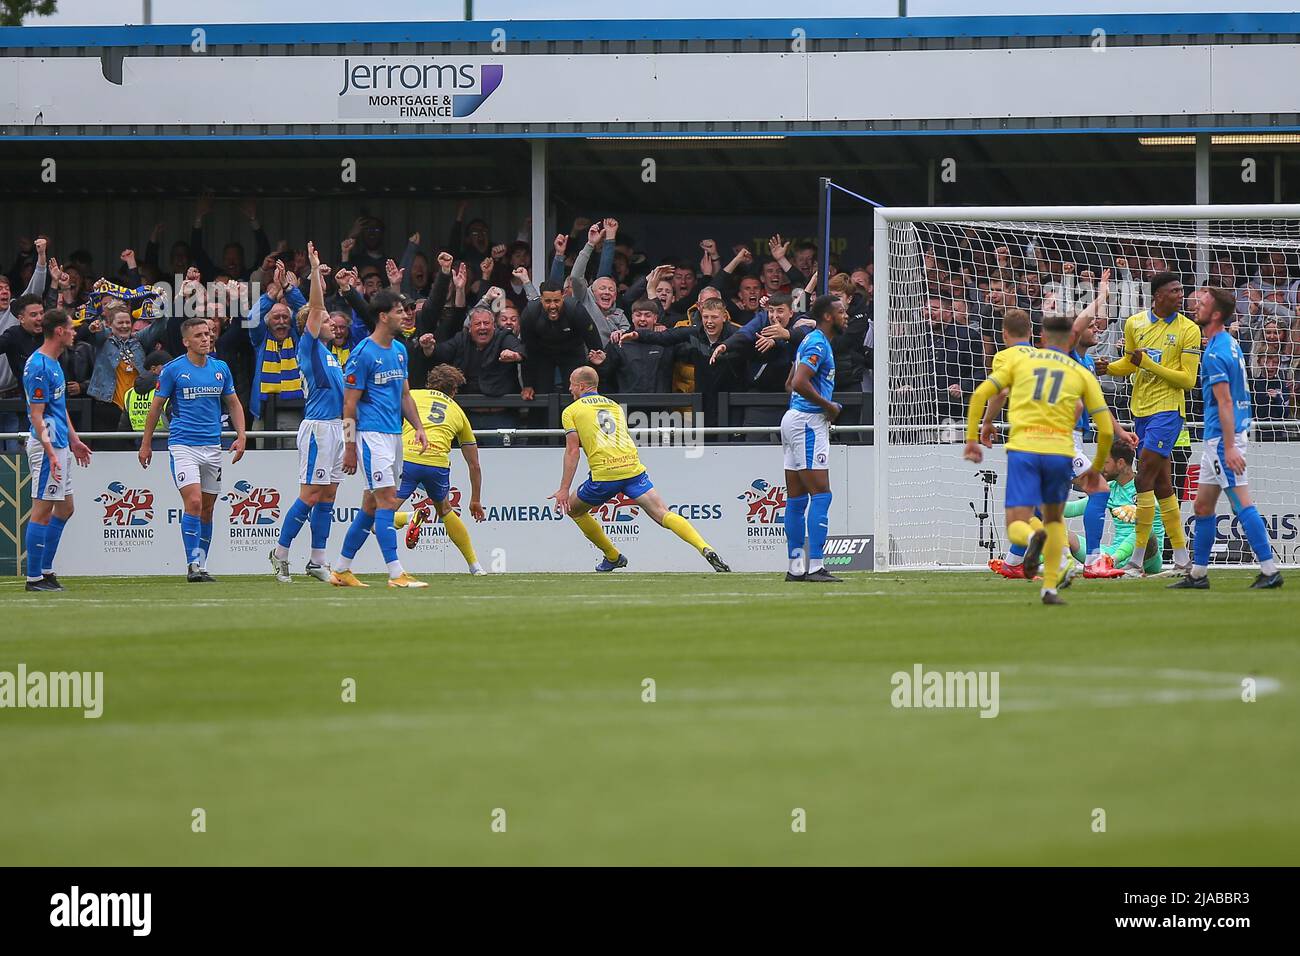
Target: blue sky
[{"x": 78, "y": 12}]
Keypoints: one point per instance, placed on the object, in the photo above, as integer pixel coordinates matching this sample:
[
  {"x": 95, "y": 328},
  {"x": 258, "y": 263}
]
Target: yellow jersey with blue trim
[
  {"x": 444, "y": 423},
  {"x": 999, "y": 371},
  {"x": 602, "y": 432},
  {"x": 1165, "y": 342},
  {"x": 1046, "y": 385}
]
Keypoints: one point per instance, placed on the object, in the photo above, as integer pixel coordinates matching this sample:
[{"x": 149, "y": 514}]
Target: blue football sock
[
  {"x": 205, "y": 541},
  {"x": 386, "y": 534},
  {"x": 53, "y": 532},
  {"x": 35, "y": 541},
  {"x": 1094, "y": 522},
  {"x": 322, "y": 516},
  {"x": 190, "y": 527},
  {"x": 1256, "y": 533},
  {"x": 796, "y": 531},
  {"x": 818, "y": 523},
  {"x": 294, "y": 519},
  {"x": 358, "y": 531},
  {"x": 1202, "y": 540}
]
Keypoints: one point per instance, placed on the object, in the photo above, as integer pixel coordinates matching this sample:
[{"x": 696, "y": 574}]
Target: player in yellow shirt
[
  {"x": 1046, "y": 386},
  {"x": 444, "y": 423},
  {"x": 595, "y": 425},
  {"x": 1016, "y": 329},
  {"x": 1163, "y": 349}
]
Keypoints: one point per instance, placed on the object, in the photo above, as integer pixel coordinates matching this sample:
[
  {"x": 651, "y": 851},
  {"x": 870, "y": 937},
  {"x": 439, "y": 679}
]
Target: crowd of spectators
[
  {"x": 514, "y": 327},
  {"x": 712, "y": 321}
]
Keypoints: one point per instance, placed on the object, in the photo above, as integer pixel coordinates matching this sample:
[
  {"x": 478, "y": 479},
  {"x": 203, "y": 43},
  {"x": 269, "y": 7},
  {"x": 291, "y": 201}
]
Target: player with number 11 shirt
[{"x": 1046, "y": 386}]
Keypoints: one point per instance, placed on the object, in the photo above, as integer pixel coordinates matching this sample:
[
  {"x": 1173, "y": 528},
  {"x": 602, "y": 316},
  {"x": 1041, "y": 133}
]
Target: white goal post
[{"x": 942, "y": 277}]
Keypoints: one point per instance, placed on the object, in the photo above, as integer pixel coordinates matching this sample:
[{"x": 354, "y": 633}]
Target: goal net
[{"x": 944, "y": 278}]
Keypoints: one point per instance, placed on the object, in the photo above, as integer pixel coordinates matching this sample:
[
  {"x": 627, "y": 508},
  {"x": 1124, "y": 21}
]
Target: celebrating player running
[
  {"x": 595, "y": 426},
  {"x": 430, "y": 469},
  {"x": 1046, "y": 385}
]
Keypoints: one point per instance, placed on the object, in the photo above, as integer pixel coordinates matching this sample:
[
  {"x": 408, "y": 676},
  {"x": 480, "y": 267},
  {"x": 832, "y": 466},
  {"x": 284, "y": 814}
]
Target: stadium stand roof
[
  {"x": 1214, "y": 72},
  {"x": 1147, "y": 27}
]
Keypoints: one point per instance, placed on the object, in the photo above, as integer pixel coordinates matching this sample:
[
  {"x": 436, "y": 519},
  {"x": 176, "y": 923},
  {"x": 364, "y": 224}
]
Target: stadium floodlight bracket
[{"x": 1020, "y": 216}]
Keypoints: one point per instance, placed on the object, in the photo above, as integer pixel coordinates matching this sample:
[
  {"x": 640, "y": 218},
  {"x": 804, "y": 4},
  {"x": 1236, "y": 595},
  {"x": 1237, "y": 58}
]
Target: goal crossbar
[{"x": 1152, "y": 213}]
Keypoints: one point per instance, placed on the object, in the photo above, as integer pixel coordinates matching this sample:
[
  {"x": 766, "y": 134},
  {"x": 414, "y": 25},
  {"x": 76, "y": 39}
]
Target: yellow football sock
[
  {"x": 1019, "y": 532},
  {"x": 1173, "y": 521},
  {"x": 1146, "y": 516},
  {"x": 1035, "y": 524},
  {"x": 1052, "y": 554},
  {"x": 459, "y": 535},
  {"x": 401, "y": 519},
  {"x": 684, "y": 530},
  {"x": 590, "y": 527}
]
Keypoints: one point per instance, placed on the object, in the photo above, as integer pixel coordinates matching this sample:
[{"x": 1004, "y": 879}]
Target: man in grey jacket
[{"x": 600, "y": 298}]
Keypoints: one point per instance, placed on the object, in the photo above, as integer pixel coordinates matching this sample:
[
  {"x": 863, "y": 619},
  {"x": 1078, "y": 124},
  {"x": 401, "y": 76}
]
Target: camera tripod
[{"x": 988, "y": 536}]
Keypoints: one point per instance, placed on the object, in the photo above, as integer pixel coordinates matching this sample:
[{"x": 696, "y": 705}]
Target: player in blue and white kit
[
  {"x": 51, "y": 447},
  {"x": 1223, "y": 461},
  {"x": 376, "y": 399},
  {"x": 320, "y": 436},
  {"x": 806, "y": 443},
  {"x": 197, "y": 386}
]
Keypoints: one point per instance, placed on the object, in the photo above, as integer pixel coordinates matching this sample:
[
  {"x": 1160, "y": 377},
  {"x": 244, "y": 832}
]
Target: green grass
[{"x": 524, "y": 692}]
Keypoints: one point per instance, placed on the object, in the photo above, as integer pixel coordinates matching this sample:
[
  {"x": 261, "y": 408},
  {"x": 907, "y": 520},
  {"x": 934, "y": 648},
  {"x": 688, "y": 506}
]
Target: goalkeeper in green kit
[{"x": 1122, "y": 506}]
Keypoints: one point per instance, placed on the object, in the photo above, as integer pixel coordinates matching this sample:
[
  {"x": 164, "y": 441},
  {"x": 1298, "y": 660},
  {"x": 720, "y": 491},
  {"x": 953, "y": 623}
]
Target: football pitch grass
[{"x": 524, "y": 693}]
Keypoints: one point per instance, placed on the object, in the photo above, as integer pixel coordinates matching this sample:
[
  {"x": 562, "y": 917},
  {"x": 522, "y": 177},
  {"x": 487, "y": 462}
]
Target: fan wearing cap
[{"x": 1163, "y": 355}]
